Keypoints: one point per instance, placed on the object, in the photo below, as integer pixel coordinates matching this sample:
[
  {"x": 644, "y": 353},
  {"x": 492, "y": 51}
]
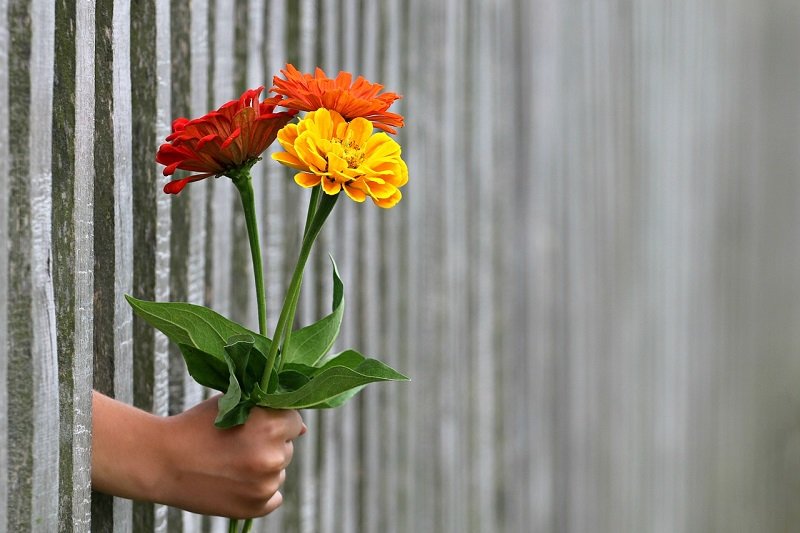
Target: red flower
[
  {"x": 305, "y": 92},
  {"x": 223, "y": 141}
]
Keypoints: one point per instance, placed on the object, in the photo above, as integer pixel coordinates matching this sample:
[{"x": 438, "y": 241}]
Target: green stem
[
  {"x": 313, "y": 203},
  {"x": 244, "y": 184},
  {"x": 312, "y": 231}
]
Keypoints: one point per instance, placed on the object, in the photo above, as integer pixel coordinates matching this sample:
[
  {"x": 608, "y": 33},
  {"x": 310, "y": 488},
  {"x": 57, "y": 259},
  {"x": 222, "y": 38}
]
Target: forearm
[{"x": 128, "y": 449}]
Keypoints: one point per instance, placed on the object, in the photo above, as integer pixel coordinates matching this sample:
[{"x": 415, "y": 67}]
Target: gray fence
[{"x": 593, "y": 278}]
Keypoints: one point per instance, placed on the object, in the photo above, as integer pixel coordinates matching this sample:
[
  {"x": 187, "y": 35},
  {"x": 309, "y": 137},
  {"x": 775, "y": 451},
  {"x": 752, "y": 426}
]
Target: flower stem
[
  {"x": 313, "y": 203},
  {"x": 244, "y": 184},
  {"x": 286, "y": 317}
]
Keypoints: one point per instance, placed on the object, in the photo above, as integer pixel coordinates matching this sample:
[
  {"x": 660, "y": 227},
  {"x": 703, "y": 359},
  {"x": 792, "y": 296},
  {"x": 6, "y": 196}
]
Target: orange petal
[
  {"x": 289, "y": 160},
  {"x": 304, "y": 179},
  {"x": 355, "y": 194}
]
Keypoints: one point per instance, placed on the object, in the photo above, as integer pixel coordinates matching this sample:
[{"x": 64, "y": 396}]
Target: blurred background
[{"x": 593, "y": 278}]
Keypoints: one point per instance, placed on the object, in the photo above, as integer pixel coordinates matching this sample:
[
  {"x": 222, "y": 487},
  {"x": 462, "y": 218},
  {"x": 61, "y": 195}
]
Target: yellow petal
[
  {"x": 388, "y": 202},
  {"x": 358, "y": 131},
  {"x": 355, "y": 194},
  {"x": 380, "y": 146},
  {"x": 336, "y": 165},
  {"x": 306, "y": 180},
  {"x": 289, "y": 160},
  {"x": 380, "y": 190},
  {"x": 330, "y": 186},
  {"x": 308, "y": 152},
  {"x": 287, "y": 136}
]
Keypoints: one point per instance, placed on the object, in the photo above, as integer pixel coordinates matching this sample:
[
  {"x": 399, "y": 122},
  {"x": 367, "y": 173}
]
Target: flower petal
[{"x": 304, "y": 179}]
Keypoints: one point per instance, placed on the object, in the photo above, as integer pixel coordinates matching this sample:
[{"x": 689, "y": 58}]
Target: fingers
[
  {"x": 273, "y": 503},
  {"x": 274, "y": 500},
  {"x": 278, "y": 424}
]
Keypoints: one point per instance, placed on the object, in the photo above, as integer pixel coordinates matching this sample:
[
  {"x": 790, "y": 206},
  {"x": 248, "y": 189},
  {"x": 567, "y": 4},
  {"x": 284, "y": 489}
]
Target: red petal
[
  {"x": 231, "y": 138},
  {"x": 174, "y": 187}
]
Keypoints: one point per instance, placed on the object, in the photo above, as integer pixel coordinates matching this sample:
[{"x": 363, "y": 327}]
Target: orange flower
[
  {"x": 223, "y": 141},
  {"x": 305, "y": 92},
  {"x": 342, "y": 155}
]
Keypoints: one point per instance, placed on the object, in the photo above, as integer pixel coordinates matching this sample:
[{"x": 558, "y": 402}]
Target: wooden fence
[{"x": 593, "y": 278}]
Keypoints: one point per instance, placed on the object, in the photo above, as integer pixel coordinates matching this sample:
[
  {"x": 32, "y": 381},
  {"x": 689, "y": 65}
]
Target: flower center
[{"x": 351, "y": 152}]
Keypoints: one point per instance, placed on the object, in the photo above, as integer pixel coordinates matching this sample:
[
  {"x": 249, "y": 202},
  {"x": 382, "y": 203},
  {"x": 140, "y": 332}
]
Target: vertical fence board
[
  {"x": 180, "y": 210},
  {"x": 415, "y": 150},
  {"x": 46, "y": 403},
  {"x": 63, "y": 240},
  {"x": 223, "y": 194},
  {"x": 367, "y": 299},
  {"x": 19, "y": 371},
  {"x": 481, "y": 219},
  {"x": 5, "y": 344},
  {"x": 72, "y": 246},
  {"x": 329, "y": 429},
  {"x": 149, "y": 365},
  {"x": 452, "y": 280},
  {"x": 161, "y": 392},
  {"x": 275, "y": 215},
  {"x": 269, "y": 56},
  {"x": 391, "y": 501},
  {"x": 311, "y": 302},
  {"x": 83, "y": 217}
]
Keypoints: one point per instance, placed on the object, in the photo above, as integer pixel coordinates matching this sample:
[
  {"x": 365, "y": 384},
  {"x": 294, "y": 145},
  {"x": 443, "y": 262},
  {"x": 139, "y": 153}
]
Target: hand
[{"x": 186, "y": 462}]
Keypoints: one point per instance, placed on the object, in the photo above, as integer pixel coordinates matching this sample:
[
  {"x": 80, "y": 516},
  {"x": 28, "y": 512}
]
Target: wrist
[{"x": 128, "y": 446}]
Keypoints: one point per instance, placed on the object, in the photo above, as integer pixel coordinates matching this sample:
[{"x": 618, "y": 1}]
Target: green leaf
[
  {"x": 236, "y": 415},
  {"x": 309, "y": 344},
  {"x": 248, "y": 361},
  {"x": 345, "y": 372},
  {"x": 235, "y": 405},
  {"x": 291, "y": 379},
  {"x": 338, "y": 401},
  {"x": 194, "y": 325},
  {"x": 206, "y": 369}
]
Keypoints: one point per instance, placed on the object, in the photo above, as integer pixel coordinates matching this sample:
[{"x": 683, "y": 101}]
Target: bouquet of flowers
[{"x": 335, "y": 147}]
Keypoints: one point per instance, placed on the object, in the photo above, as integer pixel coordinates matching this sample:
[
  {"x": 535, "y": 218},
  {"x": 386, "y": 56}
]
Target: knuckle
[
  {"x": 265, "y": 489},
  {"x": 267, "y": 462},
  {"x": 273, "y": 503}
]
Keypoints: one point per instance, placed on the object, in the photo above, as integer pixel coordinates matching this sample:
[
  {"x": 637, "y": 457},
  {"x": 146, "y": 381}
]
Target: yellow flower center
[{"x": 351, "y": 152}]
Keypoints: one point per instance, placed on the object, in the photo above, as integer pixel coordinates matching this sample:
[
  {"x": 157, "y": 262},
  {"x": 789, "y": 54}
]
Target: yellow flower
[{"x": 328, "y": 150}]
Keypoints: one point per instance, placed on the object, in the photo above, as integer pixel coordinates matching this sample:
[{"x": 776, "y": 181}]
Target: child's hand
[{"x": 186, "y": 462}]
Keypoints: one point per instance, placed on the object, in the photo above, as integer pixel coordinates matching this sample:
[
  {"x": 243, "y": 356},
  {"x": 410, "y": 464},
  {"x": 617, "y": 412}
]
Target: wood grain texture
[
  {"x": 83, "y": 273},
  {"x": 5, "y": 344},
  {"x": 592, "y": 278}
]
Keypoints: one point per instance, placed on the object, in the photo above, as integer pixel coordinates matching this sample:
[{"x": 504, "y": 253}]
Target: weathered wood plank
[
  {"x": 392, "y": 496},
  {"x": 104, "y": 234},
  {"x": 367, "y": 298},
  {"x": 483, "y": 243},
  {"x": 222, "y": 194},
  {"x": 311, "y": 305},
  {"x": 72, "y": 176},
  {"x": 63, "y": 240},
  {"x": 46, "y": 404},
  {"x": 329, "y": 425},
  {"x": 83, "y": 216},
  {"x": 5, "y": 344},
  {"x": 19, "y": 330},
  {"x": 151, "y": 221}
]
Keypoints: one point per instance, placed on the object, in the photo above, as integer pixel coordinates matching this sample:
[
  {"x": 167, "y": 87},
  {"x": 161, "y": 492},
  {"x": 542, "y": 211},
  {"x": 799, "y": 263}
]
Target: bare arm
[{"x": 186, "y": 462}]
